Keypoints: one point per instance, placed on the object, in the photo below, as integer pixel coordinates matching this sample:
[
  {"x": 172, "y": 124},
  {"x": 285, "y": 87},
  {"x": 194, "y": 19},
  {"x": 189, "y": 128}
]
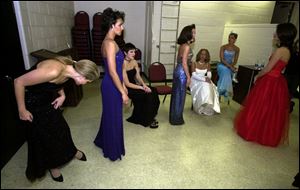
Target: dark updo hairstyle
[
  {"x": 127, "y": 47},
  {"x": 110, "y": 17},
  {"x": 186, "y": 34},
  {"x": 286, "y": 33},
  {"x": 235, "y": 35}
]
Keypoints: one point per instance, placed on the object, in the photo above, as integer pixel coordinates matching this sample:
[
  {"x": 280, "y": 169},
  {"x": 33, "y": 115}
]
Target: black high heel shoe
[
  {"x": 58, "y": 179},
  {"x": 83, "y": 157},
  {"x": 154, "y": 125}
]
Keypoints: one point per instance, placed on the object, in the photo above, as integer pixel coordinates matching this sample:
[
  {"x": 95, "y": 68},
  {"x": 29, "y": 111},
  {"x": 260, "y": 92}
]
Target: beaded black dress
[{"x": 49, "y": 139}]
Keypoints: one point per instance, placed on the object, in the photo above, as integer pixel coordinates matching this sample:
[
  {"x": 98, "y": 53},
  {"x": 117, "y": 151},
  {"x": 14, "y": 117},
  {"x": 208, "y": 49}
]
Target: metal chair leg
[{"x": 164, "y": 98}]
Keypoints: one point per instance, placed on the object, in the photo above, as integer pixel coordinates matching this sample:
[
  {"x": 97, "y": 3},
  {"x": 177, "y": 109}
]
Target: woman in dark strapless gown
[
  {"x": 110, "y": 137},
  {"x": 50, "y": 143},
  {"x": 264, "y": 116},
  {"x": 145, "y": 99}
]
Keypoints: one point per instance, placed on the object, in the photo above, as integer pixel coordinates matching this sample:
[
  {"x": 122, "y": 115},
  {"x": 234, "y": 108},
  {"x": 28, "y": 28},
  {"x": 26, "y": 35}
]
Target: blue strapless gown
[
  {"x": 178, "y": 95},
  {"x": 110, "y": 135},
  {"x": 224, "y": 84}
]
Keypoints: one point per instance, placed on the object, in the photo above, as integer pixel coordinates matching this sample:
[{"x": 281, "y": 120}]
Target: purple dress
[{"x": 110, "y": 135}]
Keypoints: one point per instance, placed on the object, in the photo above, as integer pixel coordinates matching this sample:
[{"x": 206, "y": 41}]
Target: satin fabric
[
  {"x": 264, "y": 118},
  {"x": 224, "y": 84},
  {"x": 110, "y": 136},
  {"x": 204, "y": 95}
]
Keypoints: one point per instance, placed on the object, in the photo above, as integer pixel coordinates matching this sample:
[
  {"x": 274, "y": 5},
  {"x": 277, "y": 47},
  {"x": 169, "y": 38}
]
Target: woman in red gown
[{"x": 264, "y": 116}]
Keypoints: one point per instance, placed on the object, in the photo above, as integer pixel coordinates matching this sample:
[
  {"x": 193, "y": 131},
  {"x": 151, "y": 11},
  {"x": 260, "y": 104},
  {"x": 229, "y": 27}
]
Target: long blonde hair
[{"x": 85, "y": 67}]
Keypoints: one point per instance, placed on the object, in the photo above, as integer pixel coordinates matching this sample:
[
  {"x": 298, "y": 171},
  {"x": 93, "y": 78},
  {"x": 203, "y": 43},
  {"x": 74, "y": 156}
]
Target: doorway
[{"x": 12, "y": 131}]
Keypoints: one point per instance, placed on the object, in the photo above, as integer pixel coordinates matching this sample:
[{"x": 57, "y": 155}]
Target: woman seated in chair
[
  {"x": 229, "y": 54},
  {"x": 145, "y": 99},
  {"x": 204, "y": 93}
]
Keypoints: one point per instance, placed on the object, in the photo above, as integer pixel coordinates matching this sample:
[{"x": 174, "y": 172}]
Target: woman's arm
[
  {"x": 185, "y": 54},
  {"x": 139, "y": 78},
  {"x": 193, "y": 66},
  {"x": 222, "y": 56},
  {"x": 236, "y": 56},
  {"x": 272, "y": 62},
  {"x": 127, "y": 82},
  {"x": 48, "y": 71},
  {"x": 110, "y": 52},
  {"x": 208, "y": 76}
]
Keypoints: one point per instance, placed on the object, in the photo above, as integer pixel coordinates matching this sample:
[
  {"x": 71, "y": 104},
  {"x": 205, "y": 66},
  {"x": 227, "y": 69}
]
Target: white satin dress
[{"x": 204, "y": 95}]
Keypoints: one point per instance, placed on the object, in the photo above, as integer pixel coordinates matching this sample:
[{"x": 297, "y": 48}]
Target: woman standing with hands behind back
[
  {"x": 181, "y": 76},
  {"x": 110, "y": 135},
  {"x": 264, "y": 117}
]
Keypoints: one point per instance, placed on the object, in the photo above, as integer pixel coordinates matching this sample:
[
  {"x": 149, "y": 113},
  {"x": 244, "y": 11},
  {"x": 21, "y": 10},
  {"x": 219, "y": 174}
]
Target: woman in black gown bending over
[
  {"x": 39, "y": 95},
  {"x": 145, "y": 99}
]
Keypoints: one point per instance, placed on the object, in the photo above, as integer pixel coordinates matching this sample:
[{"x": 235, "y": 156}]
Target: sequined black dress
[{"x": 50, "y": 144}]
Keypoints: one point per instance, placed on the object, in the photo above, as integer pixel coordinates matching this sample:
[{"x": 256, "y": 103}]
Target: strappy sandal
[{"x": 154, "y": 124}]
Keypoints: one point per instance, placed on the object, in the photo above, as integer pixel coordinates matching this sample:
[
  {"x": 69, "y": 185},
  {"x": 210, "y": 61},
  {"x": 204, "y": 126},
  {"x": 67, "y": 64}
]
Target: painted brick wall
[{"x": 47, "y": 25}]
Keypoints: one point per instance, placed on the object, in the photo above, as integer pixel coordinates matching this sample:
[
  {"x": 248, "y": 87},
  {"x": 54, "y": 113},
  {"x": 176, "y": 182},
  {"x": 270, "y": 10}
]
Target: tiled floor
[{"x": 203, "y": 153}]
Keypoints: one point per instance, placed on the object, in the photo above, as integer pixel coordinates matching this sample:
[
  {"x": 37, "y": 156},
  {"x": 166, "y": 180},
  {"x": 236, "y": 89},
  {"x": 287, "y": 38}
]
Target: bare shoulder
[
  {"x": 283, "y": 53},
  {"x": 109, "y": 43},
  {"x": 109, "y": 46},
  {"x": 237, "y": 49},
  {"x": 51, "y": 67},
  {"x": 134, "y": 62}
]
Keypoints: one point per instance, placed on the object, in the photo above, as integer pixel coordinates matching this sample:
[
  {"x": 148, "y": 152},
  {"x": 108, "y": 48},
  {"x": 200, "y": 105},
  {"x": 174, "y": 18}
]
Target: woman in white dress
[{"x": 204, "y": 92}]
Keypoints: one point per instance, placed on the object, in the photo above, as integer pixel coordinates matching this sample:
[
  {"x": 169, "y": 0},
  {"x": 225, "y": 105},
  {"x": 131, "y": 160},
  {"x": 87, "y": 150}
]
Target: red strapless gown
[{"x": 264, "y": 116}]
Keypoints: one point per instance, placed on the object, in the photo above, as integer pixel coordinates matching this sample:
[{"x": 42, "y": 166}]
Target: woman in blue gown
[
  {"x": 229, "y": 54},
  {"x": 110, "y": 137},
  {"x": 181, "y": 75}
]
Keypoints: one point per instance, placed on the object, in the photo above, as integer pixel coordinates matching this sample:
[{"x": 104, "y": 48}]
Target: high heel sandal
[
  {"x": 154, "y": 124},
  {"x": 58, "y": 179}
]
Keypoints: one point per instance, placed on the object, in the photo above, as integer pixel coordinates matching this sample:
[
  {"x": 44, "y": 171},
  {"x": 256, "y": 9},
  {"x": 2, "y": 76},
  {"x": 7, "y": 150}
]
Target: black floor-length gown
[
  {"x": 49, "y": 139},
  {"x": 145, "y": 104}
]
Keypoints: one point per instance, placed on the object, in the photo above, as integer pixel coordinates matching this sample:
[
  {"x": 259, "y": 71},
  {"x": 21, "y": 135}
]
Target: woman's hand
[
  {"x": 146, "y": 88},
  {"x": 58, "y": 101},
  {"x": 125, "y": 89},
  {"x": 125, "y": 98},
  {"x": 188, "y": 81},
  {"x": 25, "y": 115},
  {"x": 233, "y": 69}
]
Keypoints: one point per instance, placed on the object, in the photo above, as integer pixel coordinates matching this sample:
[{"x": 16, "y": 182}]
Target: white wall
[
  {"x": 210, "y": 18},
  {"x": 254, "y": 41},
  {"x": 135, "y": 17}
]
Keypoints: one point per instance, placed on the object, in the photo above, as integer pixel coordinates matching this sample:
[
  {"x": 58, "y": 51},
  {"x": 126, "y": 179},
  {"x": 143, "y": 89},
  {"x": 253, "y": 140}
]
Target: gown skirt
[
  {"x": 110, "y": 137},
  {"x": 178, "y": 96},
  {"x": 49, "y": 139},
  {"x": 264, "y": 116},
  {"x": 145, "y": 104}
]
